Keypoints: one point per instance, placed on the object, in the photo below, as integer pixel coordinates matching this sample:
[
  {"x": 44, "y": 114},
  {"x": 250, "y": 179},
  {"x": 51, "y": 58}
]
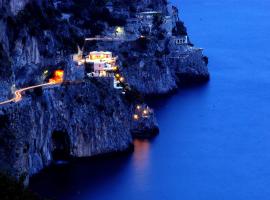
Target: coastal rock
[
  {"x": 84, "y": 117},
  {"x": 93, "y": 121},
  {"x": 17, "y": 5}
]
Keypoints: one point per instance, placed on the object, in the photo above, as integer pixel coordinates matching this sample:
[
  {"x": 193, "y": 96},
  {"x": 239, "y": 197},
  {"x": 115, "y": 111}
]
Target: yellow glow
[
  {"x": 46, "y": 72},
  {"x": 103, "y": 73},
  {"x": 115, "y": 68},
  {"x": 119, "y": 30},
  {"x": 59, "y": 73},
  {"x": 117, "y": 75},
  {"x": 145, "y": 112},
  {"x": 100, "y": 56},
  {"x": 135, "y": 117},
  {"x": 58, "y": 76},
  {"x": 138, "y": 107},
  {"x": 122, "y": 79}
]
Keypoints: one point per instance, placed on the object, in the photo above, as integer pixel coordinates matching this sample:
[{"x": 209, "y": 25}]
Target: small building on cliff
[
  {"x": 148, "y": 15},
  {"x": 180, "y": 40},
  {"x": 99, "y": 55},
  {"x": 99, "y": 64}
]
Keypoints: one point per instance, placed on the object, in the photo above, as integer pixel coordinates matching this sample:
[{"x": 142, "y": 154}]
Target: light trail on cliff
[
  {"x": 58, "y": 77},
  {"x": 103, "y": 39},
  {"x": 114, "y": 38},
  {"x": 18, "y": 93}
]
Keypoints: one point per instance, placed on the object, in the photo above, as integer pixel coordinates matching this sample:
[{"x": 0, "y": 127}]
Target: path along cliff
[{"x": 85, "y": 117}]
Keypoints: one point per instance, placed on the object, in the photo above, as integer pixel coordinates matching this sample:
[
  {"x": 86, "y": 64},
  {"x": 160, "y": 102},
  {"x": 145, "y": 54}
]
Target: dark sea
[{"x": 214, "y": 141}]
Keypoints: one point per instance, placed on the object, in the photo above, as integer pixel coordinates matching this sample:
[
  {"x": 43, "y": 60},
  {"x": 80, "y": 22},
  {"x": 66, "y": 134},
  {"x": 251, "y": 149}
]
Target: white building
[
  {"x": 99, "y": 55},
  {"x": 102, "y": 66},
  {"x": 98, "y": 66},
  {"x": 181, "y": 40},
  {"x": 148, "y": 15}
]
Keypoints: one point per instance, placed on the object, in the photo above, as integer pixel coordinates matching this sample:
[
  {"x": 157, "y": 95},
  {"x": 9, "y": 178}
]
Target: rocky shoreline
[{"x": 86, "y": 117}]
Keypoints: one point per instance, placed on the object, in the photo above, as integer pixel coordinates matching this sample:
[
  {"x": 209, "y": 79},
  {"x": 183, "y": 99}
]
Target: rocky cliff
[
  {"x": 90, "y": 116},
  {"x": 85, "y": 117}
]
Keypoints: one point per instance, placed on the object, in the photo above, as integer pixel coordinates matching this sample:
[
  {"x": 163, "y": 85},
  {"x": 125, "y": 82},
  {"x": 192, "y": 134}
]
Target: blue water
[{"x": 215, "y": 139}]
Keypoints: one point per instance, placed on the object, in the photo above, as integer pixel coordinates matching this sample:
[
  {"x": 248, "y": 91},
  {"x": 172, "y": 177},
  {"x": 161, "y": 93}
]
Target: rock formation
[{"x": 85, "y": 117}]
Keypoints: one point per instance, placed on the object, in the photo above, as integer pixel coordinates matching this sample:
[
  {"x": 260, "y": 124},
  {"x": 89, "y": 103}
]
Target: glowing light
[
  {"x": 18, "y": 93},
  {"x": 145, "y": 112},
  {"x": 80, "y": 62},
  {"x": 119, "y": 30},
  {"x": 103, "y": 73},
  {"x": 122, "y": 79},
  {"x": 135, "y": 117},
  {"x": 100, "y": 55},
  {"x": 58, "y": 77},
  {"x": 138, "y": 107},
  {"x": 117, "y": 76},
  {"x": 140, "y": 160},
  {"x": 115, "y": 68}
]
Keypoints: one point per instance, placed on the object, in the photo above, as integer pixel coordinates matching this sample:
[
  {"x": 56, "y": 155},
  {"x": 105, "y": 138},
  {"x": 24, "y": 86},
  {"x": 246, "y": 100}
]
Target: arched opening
[{"x": 61, "y": 146}]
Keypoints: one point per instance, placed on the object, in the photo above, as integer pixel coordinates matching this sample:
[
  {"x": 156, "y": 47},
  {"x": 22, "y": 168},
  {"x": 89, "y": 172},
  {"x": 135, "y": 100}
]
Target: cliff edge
[{"x": 84, "y": 116}]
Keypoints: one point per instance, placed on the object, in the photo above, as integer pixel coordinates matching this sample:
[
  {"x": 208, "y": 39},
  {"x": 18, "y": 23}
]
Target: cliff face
[
  {"x": 91, "y": 116},
  {"x": 84, "y": 117},
  {"x": 151, "y": 56},
  {"x": 161, "y": 67}
]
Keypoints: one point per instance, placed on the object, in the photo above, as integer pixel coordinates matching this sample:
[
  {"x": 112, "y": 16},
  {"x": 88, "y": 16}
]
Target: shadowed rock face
[
  {"x": 17, "y": 5},
  {"x": 84, "y": 117},
  {"x": 162, "y": 67},
  {"x": 93, "y": 116}
]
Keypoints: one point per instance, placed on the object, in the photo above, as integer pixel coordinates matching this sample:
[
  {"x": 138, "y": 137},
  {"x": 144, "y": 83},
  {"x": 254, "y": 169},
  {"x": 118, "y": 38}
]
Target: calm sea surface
[{"x": 215, "y": 139}]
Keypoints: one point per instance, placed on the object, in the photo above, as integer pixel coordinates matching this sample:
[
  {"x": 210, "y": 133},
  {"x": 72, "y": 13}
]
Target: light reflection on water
[
  {"x": 214, "y": 140},
  {"x": 140, "y": 164},
  {"x": 140, "y": 159}
]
